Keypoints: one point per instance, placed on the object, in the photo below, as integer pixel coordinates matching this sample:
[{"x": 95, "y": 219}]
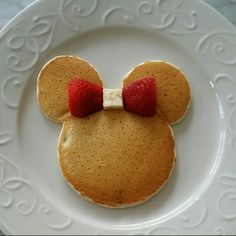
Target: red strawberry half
[
  {"x": 85, "y": 98},
  {"x": 140, "y": 97}
]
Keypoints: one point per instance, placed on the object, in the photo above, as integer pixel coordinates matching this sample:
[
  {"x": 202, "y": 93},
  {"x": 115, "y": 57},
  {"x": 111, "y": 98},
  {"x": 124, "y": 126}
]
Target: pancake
[
  {"x": 173, "y": 90},
  {"x": 53, "y": 84},
  {"x": 115, "y": 158}
]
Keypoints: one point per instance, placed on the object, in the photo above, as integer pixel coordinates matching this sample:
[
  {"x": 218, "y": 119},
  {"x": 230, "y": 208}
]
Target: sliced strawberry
[
  {"x": 140, "y": 97},
  {"x": 85, "y": 98}
]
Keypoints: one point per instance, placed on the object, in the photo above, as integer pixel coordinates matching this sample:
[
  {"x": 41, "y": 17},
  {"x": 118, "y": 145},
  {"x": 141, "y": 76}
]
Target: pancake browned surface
[
  {"x": 173, "y": 90},
  {"x": 53, "y": 84},
  {"x": 116, "y": 158}
]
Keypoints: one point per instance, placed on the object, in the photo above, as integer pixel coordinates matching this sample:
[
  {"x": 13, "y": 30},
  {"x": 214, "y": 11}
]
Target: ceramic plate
[{"x": 115, "y": 36}]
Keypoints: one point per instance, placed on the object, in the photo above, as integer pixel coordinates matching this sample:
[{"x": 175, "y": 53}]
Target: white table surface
[{"x": 9, "y": 8}]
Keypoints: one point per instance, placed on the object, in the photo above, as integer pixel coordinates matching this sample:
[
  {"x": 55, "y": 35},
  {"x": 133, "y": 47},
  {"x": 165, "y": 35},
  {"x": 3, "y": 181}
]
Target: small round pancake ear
[
  {"x": 52, "y": 87},
  {"x": 173, "y": 90}
]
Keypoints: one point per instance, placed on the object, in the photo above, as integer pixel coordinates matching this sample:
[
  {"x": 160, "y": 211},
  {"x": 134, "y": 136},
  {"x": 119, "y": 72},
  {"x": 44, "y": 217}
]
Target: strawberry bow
[{"x": 86, "y": 98}]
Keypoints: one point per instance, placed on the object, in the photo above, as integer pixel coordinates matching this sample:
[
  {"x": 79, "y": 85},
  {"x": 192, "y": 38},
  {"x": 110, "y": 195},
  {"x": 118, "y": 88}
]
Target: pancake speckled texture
[
  {"x": 53, "y": 82},
  {"x": 173, "y": 90},
  {"x": 124, "y": 153},
  {"x": 115, "y": 158}
]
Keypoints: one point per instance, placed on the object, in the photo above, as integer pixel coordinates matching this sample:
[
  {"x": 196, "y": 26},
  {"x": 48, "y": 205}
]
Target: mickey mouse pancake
[{"x": 116, "y": 147}]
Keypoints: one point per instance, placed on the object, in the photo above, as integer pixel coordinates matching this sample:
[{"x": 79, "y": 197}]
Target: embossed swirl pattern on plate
[
  {"x": 172, "y": 15},
  {"x": 9, "y": 184},
  {"x": 11, "y": 179},
  {"x": 226, "y": 203},
  {"x": 72, "y": 10}
]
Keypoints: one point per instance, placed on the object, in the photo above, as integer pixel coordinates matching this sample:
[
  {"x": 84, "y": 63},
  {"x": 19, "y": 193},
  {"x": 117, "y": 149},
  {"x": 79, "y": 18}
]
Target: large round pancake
[
  {"x": 173, "y": 90},
  {"x": 115, "y": 158},
  {"x": 52, "y": 89}
]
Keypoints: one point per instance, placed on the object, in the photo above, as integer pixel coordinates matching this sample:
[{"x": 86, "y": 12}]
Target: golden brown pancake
[
  {"x": 114, "y": 158},
  {"x": 53, "y": 82},
  {"x": 173, "y": 90}
]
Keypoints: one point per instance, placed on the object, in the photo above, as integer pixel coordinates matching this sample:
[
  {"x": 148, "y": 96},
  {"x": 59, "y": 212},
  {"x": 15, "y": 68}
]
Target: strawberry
[
  {"x": 140, "y": 97},
  {"x": 85, "y": 97}
]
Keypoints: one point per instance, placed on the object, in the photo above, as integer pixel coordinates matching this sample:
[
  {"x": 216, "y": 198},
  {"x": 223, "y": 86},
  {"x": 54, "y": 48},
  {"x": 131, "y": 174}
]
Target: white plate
[{"x": 115, "y": 36}]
